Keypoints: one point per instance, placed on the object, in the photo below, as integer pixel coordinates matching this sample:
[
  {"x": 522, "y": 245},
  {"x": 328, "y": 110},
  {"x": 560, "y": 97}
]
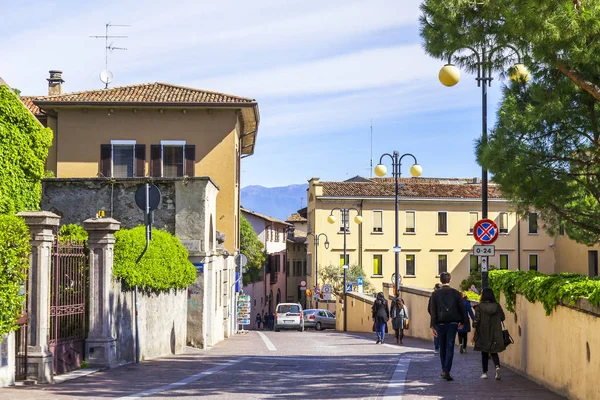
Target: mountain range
[{"x": 276, "y": 202}]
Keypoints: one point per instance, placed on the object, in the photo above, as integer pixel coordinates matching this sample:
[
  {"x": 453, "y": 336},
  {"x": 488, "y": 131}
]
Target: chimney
[{"x": 55, "y": 83}]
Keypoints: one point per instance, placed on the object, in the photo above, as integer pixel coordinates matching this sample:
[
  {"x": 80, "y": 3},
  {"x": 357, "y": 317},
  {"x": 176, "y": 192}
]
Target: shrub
[
  {"x": 550, "y": 290},
  {"x": 164, "y": 266},
  {"x": 14, "y": 263},
  {"x": 72, "y": 233}
]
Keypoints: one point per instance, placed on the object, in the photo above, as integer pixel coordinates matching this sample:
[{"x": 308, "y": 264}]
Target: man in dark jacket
[
  {"x": 436, "y": 341},
  {"x": 447, "y": 317}
]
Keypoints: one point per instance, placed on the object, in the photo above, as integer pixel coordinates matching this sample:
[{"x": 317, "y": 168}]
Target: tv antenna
[{"x": 106, "y": 76}]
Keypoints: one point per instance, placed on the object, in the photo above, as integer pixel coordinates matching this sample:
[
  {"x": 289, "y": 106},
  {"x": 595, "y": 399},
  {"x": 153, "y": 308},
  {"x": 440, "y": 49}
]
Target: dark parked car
[{"x": 319, "y": 319}]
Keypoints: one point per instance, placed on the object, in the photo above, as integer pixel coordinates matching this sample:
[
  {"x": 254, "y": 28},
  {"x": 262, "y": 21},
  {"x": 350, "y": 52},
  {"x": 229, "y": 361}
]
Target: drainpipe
[
  {"x": 360, "y": 239},
  {"x": 518, "y": 242}
]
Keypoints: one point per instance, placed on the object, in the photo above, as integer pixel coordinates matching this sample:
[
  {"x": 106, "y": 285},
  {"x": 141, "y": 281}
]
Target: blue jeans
[
  {"x": 446, "y": 336},
  {"x": 380, "y": 329},
  {"x": 436, "y": 343}
]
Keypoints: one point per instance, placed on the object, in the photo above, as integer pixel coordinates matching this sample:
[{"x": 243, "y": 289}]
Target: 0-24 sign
[{"x": 484, "y": 250}]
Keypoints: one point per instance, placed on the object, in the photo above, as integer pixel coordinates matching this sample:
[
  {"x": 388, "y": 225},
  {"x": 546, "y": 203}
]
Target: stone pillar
[
  {"x": 39, "y": 358},
  {"x": 101, "y": 346}
]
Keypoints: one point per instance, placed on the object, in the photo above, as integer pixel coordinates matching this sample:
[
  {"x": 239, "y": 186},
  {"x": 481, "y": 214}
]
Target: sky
[{"x": 323, "y": 73}]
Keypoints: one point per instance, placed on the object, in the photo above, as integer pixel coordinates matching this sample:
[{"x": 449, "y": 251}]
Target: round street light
[
  {"x": 519, "y": 72},
  {"x": 358, "y": 219},
  {"x": 380, "y": 170},
  {"x": 416, "y": 170},
  {"x": 331, "y": 219},
  {"x": 449, "y": 75}
]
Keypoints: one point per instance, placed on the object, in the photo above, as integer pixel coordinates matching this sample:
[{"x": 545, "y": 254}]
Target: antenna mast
[
  {"x": 371, "y": 169},
  {"x": 107, "y": 47}
]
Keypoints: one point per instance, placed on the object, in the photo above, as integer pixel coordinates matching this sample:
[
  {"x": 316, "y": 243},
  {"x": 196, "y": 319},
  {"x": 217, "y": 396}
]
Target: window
[
  {"x": 342, "y": 260},
  {"x": 304, "y": 272},
  {"x": 503, "y": 220},
  {"x": 473, "y": 218},
  {"x": 442, "y": 263},
  {"x": 122, "y": 159},
  {"x": 442, "y": 222},
  {"x": 533, "y": 222},
  {"x": 410, "y": 265},
  {"x": 344, "y": 221},
  {"x": 172, "y": 158},
  {"x": 287, "y": 268},
  {"x": 503, "y": 261},
  {"x": 377, "y": 221},
  {"x": 410, "y": 222},
  {"x": 533, "y": 262},
  {"x": 377, "y": 264},
  {"x": 473, "y": 264}
]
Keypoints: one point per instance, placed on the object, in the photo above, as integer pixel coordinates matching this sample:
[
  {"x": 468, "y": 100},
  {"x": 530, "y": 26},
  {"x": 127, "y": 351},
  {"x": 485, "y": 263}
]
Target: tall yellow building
[{"x": 436, "y": 222}]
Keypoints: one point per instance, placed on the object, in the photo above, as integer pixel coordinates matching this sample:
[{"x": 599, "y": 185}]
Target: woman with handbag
[
  {"x": 488, "y": 336},
  {"x": 381, "y": 314},
  {"x": 399, "y": 315}
]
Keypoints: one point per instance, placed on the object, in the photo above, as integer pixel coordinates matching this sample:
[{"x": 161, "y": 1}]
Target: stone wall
[
  {"x": 7, "y": 360},
  {"x": 162, "y": 323}
]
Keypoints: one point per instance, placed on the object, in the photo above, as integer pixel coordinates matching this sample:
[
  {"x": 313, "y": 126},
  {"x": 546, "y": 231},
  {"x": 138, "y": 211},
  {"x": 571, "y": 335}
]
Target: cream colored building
[
  {"x": 436, "y": 219},
  {"x": 298, "y": 265}
]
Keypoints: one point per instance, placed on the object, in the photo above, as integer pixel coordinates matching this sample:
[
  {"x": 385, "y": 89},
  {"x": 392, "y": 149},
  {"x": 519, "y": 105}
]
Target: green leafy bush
[
  {"x": 165, "y": 265},
  {"x": 14, "y": 263},
  {"x": 550, "y": 290},
  {"x": 472, "y": 295},
  {"x": 23, "y": 151},
  {"x": 72, "y": 233}
]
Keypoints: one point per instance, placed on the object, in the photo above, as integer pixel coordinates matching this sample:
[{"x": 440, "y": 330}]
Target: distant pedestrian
[
  {"x": 381, "y": 314},
  {"x": 265, "y": 320},
  {"x": 488, "y": 336},
  {"x": 436, "y": 340},
  {"x": 258, "y": 321},
  {"x": 464, "y": 332},
  {"x": 271, "y": 320},
  {"x": 447, "y": 317},
  {"x": 399, "y": 315}
]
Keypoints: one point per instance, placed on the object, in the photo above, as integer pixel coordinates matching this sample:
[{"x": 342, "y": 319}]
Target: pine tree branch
[{"x": 579, "y": 80}]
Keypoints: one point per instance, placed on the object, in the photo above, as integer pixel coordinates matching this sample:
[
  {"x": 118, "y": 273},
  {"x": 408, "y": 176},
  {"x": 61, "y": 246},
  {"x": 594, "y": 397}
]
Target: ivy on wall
[
  {"x": 72, "y": 233},
  {"x": 550, "y": 290},
  {"x": 165, "y": 264},
  {"x": 14, "y": 263},
  {"x": 24, "y": 145}
]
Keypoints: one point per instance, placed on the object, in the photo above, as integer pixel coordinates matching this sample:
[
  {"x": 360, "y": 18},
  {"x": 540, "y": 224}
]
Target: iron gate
[
  {"x": 68, "y": 293},
  {"x": 21, "y": 349}
]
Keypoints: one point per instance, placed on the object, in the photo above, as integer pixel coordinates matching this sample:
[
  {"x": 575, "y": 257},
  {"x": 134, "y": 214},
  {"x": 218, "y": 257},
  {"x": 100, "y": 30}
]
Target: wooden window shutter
[
  {"x": 155, "y": 160},
  {"x": 190, "y": 160},
  {"x": 105, "y": 160},
  {"x": 140, "y": 160}
]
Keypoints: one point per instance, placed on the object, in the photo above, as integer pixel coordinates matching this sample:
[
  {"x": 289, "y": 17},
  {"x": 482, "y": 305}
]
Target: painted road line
[
  {"x": 185, "y": 381},
  {"x": 395, "y": 388},
  {"x": 268, "y": 342}
]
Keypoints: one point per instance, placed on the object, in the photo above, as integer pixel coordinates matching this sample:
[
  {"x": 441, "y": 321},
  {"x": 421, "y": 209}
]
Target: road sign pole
[{"x": 485, "y": 232}]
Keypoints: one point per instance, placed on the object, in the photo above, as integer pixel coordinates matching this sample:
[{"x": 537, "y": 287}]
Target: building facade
[
  {"x": 298, "y": 266},
  {"x": 436, "y": 220}
]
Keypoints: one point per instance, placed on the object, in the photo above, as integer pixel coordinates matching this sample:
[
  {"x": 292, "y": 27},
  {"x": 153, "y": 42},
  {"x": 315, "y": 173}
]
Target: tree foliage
[
  {"x": 24, "y": 145},
  {"x": 334, "y": 275},
  {"x": 251, "y": 247},
  {"x": 544, "y": 151},
  {"x": 14, "y": 263}
]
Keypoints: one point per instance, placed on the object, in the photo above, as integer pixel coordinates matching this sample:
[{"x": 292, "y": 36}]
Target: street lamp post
[
  {"x": 450, "y": 75},
  {"x": 380, "y": 170},
  {"x": 358, "y": 219},
  {"x": 316, "y": 243}
]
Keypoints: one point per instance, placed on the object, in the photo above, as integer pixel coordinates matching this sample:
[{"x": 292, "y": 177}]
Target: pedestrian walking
[
  {"x": 381, "y": 314},
  {"x": 436, "y": 340},
  {"x": 271, "y": 320},
  {"x": 447, "y": 317},
  {"x": 464, "y": 332},
  {"x": 488, "y": 336},
  {"x": 265, "y": 319},
  {"x": 399, "y": 315},
  {"x": 258, "y": 321}
]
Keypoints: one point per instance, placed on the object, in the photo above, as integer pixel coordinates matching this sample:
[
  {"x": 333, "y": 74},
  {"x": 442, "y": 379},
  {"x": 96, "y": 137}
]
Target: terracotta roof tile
[
  {"x": 295, "y": 218},
  {"x": 28, "y": 101},
  {"x": 156, "y": 92},
  {"x": 411, "y": 188}
]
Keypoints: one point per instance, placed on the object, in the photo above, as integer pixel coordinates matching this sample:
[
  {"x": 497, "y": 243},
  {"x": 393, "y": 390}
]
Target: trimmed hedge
[
  {"x": 165, "y": 265},
  {"x": 24, "y": 145},
  {"x": 14, "y": 263},
  {"x": 550, "y": 290},
  {"x": 72, "y": 233}
]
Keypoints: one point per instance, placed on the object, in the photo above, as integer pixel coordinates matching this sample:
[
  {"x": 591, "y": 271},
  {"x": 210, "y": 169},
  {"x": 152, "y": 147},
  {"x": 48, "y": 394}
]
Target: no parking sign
[{"x": 485, "y": 231}]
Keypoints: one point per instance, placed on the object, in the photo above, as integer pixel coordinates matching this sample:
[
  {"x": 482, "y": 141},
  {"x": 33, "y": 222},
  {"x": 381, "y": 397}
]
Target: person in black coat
[
  {"x": 381, "y": 315},
  {"x": 488, "y": 337},
  {"x": 464, "y": 332}
]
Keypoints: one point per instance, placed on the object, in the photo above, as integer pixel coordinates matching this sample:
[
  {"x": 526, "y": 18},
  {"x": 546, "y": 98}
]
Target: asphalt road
[{"x": 302, "y": 365}]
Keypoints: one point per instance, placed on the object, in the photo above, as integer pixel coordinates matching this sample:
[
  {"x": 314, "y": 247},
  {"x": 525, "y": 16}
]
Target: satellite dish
[{"x": 106, "y": 76}]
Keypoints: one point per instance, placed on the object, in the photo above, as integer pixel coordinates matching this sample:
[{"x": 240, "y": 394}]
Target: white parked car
[{"x": 289, "y": 316}]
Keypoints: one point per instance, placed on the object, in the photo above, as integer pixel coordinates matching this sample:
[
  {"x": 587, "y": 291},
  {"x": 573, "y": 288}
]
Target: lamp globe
[
  {"x": 449, "y": 75},
  {"x": 519, "y": 72},
  {"x": 416, "y": 170},
  {"x": 380, "y": 170},
  {"x": 331, "y": 219},
  {"x": 358, "y": 219}
]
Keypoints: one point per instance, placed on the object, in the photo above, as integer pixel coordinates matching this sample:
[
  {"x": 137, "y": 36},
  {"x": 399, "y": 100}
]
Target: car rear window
[{"x": 291, "y": 308}]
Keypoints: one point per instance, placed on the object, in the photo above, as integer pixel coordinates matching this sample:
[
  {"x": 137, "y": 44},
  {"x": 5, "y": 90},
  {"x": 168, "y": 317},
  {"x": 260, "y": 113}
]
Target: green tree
[
  {"x": 24, "y": 145},
  {"x": 334, "y": 275},
  {"x": 252, "y": 247},
  {"x": 545, "y": 147}
]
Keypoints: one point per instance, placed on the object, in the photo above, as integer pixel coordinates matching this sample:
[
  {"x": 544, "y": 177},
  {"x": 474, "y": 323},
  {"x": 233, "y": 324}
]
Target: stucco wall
[
  {"x": 162, "y": 323},
  {"x": 572, "y": 256},
  {"x": 7, "y": 360}
]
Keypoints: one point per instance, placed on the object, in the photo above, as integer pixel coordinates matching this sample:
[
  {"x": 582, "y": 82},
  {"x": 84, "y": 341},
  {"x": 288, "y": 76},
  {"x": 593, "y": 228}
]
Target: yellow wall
[
  {"x": 215, "y": 133},
  {"x": 572, "y": 256},
  {"x": 426, "y": 244},
  {"x": 295, "y": 252}
]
